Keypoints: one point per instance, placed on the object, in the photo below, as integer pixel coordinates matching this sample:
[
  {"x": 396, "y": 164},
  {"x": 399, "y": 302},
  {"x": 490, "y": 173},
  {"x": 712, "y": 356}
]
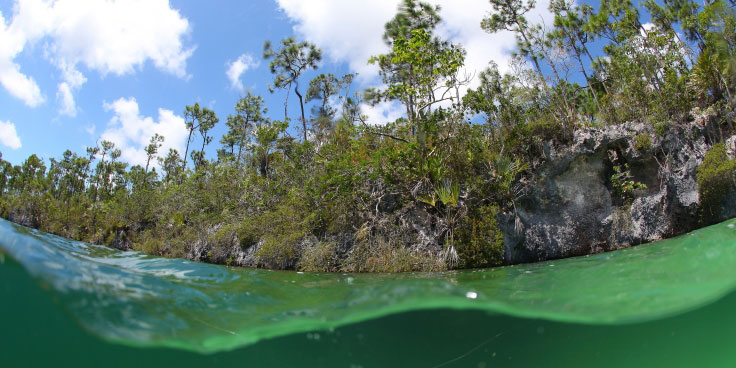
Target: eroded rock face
[{"x": 572, "y": 209}]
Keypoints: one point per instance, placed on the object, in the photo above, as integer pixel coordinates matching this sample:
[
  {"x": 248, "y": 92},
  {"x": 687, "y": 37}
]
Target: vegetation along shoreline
[{"x": 605, "y": 132}]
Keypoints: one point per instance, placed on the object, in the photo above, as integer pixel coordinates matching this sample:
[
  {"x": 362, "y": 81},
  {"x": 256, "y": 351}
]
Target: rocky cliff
[{"x": 571, "y": 206}]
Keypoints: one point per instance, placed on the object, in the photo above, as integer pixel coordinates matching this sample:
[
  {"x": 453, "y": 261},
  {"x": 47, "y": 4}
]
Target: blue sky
[{"x": 76, "y": 71}]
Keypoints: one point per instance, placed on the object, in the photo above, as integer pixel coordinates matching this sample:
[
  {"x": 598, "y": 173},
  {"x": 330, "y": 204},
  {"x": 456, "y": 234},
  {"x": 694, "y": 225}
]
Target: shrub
[
  {"x": 283, "y": 229},
  {"x": 151, "y": 246},
  {"x": 643, "y": 142},
  {"x": 715, "y": 178},
  {"x": 383, "y": 247},
  {"x": 480, "y": 241},
  {"x": 224, "y": 237},
  {"x": 321, "y": 257},
  {"x": 623, "y": 184}
]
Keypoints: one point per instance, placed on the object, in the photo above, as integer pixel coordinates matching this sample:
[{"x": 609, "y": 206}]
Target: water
[{"x": 67, "y": 303}]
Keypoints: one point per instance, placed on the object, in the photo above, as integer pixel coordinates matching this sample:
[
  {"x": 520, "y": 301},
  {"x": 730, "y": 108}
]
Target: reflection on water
[{"x": 138, "y": 300}]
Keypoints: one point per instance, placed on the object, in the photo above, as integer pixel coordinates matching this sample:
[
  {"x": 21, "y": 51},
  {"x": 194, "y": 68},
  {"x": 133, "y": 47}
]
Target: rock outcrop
[{"x": 571, "y": 208}]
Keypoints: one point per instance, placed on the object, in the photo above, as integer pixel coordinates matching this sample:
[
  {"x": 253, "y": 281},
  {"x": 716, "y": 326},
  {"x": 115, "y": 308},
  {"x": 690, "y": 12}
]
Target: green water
[{"x": 671, "y": 303}]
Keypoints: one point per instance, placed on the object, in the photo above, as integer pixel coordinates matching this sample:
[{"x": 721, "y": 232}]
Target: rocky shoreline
[{"x": 571, "y": 208}]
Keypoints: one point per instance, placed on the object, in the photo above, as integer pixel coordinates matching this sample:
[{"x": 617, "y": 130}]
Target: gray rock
[{"x": 570, "y": 208}]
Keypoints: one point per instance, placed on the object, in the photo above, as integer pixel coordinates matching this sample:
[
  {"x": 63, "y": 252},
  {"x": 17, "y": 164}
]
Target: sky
[{"x": 76, "y": 72}]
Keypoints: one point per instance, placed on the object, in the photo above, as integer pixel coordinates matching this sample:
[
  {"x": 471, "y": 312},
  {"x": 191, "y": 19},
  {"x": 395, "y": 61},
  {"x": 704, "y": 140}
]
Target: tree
[
  {"x": 323, "y": 89},
  {"x": 171, "y": 165},
  {"x": 420, "y": 70},
  {"x": 570, "y": 36},
  {"x": 411, "y": 15},
  {"x": 152, "y": 148},
  {"x": 509, "y": 16},
  {"x": 266, "y": 135},
  {"x": 288, "y": 63},
  {"x": 202, "y": 119},
  {"x": 250, "y": 110}
]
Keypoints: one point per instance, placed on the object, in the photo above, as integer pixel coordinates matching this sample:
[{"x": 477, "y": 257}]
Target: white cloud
[
  {"x": 350, "y": 31},
  {"x": 108, "y": 36},
  {"x": 74, "y": 80},
  {"x": 236, "y": 68},
  {"x": 383, "y": 112},
  {"x": 15, "y": 82},
  {"x": 20, "y": 85},
  {"x": 9, "y": 136},
  {"x": 66, "y": 100},
  {"x": 132, "y": 132}
]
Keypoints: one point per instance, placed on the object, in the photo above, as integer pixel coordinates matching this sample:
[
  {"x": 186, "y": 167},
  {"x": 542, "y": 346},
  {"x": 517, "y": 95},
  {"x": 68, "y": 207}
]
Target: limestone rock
[{"x": 570, "y": 208}]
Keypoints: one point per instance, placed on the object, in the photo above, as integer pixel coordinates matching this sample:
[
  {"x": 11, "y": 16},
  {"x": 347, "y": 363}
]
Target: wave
[{"x": 144, "y": 301}]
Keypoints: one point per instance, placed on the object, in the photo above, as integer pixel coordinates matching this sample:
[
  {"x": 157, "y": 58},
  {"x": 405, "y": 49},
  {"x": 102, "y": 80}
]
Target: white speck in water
[
  {"x": 471, "y": 295},
  {"x": 731, "y": 226},
  {"x": 300, "y": 273},
  {"x": 349, "y": 280}
]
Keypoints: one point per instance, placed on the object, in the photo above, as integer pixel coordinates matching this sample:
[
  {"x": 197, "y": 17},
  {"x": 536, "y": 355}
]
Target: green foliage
[
  {"x": 321, "y": 257},
  {"x": 643, "y": 142},
  {"x": 715, "y": 178},
  {"x": 282, "y": 230},
  {"x": 623, "y": 184},
  {"x": 389, "y": 256},
  {"x": 480, "y": 241},
  {"x": 419, "y": 64},
  {"x": 202, "y": 120},
  {"x": 287, "y": 64},
  {"x": 422, "y": 192}
]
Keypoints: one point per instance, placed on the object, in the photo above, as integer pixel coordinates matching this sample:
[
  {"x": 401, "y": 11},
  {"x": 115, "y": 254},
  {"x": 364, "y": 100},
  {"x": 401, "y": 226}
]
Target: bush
[
  {"x": 151, "y": 246},
  {"x": 321, "y": 257},
  {"x": 283, "y": 229},
  {"x": 715, "y": 178},
  {"x": 623, "y": 184},
  {"x": 384, "y": 247},
  {"x": 643, "y": 142},
  {"x": 480, "y": 241}
]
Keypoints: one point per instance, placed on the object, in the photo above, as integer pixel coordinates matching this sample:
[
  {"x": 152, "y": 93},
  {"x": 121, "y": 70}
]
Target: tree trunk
[
  {"x": 301, "y": 105},
  {"x": 186, "y": 151},
  {"x": 585, "y": 74}
]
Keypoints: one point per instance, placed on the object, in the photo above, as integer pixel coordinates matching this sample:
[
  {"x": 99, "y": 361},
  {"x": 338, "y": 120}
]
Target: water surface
[{"x": 669, "y": 302}]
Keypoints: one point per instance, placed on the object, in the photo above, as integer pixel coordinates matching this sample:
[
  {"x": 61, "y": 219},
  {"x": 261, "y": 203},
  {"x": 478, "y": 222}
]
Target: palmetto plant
[
  {"x": 449, "y": 194},
  {"x": 504, "y": 169},
  {"x": 446, "y": 193}
]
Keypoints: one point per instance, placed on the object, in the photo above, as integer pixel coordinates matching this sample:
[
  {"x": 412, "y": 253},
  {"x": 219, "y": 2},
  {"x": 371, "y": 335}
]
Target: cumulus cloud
[
  {"x": 108, "y": 36},
  {"x": 132, "y": 132},
  {"x": 11, "y": 78},
  {"x": 66, "y": 100},
  {"x": 236, "y": 69},
  {"x": 73, "y": 80},
  {"x": 9, "y": 136},
  {"x": 348, "y": 31},
  {"x": 383, "y": 112},
  {"x": 351, "y": 32}
]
